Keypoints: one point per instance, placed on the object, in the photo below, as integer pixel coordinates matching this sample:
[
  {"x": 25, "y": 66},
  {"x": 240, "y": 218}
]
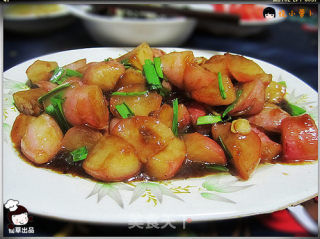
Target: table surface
[{"x": 285, "y": 45}]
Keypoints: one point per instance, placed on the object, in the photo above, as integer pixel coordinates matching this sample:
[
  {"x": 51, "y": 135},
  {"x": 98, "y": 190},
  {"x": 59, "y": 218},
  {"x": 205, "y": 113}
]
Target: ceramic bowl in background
[
  {"x": 35, "y": 18},
  {"x": 116, "y": 31}
]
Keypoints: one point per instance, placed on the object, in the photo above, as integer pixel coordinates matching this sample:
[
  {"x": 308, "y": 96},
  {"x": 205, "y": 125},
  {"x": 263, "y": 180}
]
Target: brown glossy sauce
[{"x": 62, "y": 163}]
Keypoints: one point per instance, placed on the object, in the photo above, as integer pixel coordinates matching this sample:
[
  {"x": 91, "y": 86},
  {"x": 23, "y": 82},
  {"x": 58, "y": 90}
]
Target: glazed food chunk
[
  {"x": 42, "y": 139},
  {"x": 112, "y": 159},
  {"x": 245, "y": 150},
  {"x": 166, "y": 164},
  {"x": 173, "y": 115},
  {"x": 203, "y": 149},
  {"x": 27, "y": 101},
  {"x": 104, "y": 74},
  {"x": 86, "y": 105},
  {"x": 141, "y": 105},
  {"x": 244, "y": 70},
  {"x": 79, "y": 136},
  {"x": 299, "y": 136},
  {"x": 19, "y": 127},
  {"x": 146, "y": 134},
  {"x": 41, "y": 71}
]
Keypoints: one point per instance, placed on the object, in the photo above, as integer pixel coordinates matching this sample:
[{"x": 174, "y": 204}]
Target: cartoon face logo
[
  {"x": 269, "y": 13},
  {"x": 20, "y": 219},
  {"x": 18, "y": 215}
]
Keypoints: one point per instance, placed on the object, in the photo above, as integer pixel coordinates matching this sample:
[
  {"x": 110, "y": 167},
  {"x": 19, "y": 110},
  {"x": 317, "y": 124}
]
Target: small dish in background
[
  {"x": 35, "y": 18},
  {"x": 131, "y": 31},
  {"x": 251, "y": 18}
]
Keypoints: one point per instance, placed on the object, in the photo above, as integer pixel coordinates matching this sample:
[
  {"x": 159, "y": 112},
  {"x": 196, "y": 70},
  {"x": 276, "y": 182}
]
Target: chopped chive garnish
[
  {"x": 49, "y": 109},
  {"x": 130, "y": 93},
  {"x": 126, "y": 63},
  {"x": 151, "y": 75},
  {"x": 53, "y": 91},
  {"x": 157, "y": 66},
  {"x": 124, "y": 110},
  {"x": 108, "y": 59},
  {"x": 175, "y": 117},
  {"x": 208, "y": 119},
  {"x": 295, "y": 110},
  {"x": 221, "y": 88},
  {"x": 230, "y": 107},
  {"x": 148, "y": 62},
  {"x": 70, "y": 72},
  {"x": 229, "y": 155},
  {"x": 56, "y": 111},
  {"x": 218, "y": 168},
  {"x": 282, "y": 83},
  {"x": 79, "y": 154},
  {"x": 57, "y": 73}
]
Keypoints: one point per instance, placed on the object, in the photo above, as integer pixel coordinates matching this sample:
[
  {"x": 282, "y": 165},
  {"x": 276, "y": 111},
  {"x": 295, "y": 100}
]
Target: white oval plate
[{"x": 44, "y": 192}]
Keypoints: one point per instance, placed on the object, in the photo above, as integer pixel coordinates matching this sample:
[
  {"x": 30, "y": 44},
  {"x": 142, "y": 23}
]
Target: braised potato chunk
[
  {"x": 131, "y": 77},
  {"x": 104, "y": 74},
  {"x": 203, "y": 149},
  {"x": 86, "y": 105},
  {"x": 299, "y": 136},
  {"x": 174, "y": 64},
  {"x": 166, "y": 164},
  {"x": 141, "y": 105},
  {"x": 275, "y": 92},
  {"x": 270, "y": 150},
  {"x": 245, "y": 149},
  {"x": 146, "y": 134},
  {"x": 243, "y": 69},
  {"x": 138, "y": 55},
  {"x": 165, "y": 115},
  {"x": 251, "y": 100},
  {"x": 204, "y": 86},
  {"x": 217, "y": 63},
  {"x": 42, "y": 139},
  {"x": 76, "y": 65},
  {"x": 112, "y": 159},
  {"x": 79, "y": 136},
  {"x": 41, "y": 70},
  {"x": 27, "y": 101},
  {"x": 269, "y": 118},
  {"x": 19, "y": 128}
]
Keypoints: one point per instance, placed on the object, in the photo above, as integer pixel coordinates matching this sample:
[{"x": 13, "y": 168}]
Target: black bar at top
[{"x": 163, "y": 1}]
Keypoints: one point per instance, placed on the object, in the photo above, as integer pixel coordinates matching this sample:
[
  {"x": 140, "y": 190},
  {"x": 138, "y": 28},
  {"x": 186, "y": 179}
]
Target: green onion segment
[
  {"x": 218, "y": 168},
  {"x": 157, "y": 66},
  {"x": 208, "y": 119},
  {"x": 175, "y": 117},
  {"x": 221, "y": 87},
  {"x": 53, "y": 91},
  {"x": 57, "y": 74},
  {"x": 124, "y": 110},
  {"x": 282, "y": 83},
  {"x": 151, "y": 75},
  {"x": 130, "y": 93},
  {"x": 79, "y": 154},
  {"x": 229, "y": 155},
  {"x": 230, "y": 107},
  {"x": 126, "y": 63},
  {"x": 295, "y": 110},
  {"x": 70, "y": 72},
  {"x": 56, "y": 111}
]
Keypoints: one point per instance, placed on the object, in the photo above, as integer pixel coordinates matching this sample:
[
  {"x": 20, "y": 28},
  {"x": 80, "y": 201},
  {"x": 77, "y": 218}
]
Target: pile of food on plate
[{"x": 152, "y": 115}]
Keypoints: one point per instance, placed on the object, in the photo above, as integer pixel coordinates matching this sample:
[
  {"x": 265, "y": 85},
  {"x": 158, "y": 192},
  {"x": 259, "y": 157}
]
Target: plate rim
[{"x": 198, "y": 217}]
